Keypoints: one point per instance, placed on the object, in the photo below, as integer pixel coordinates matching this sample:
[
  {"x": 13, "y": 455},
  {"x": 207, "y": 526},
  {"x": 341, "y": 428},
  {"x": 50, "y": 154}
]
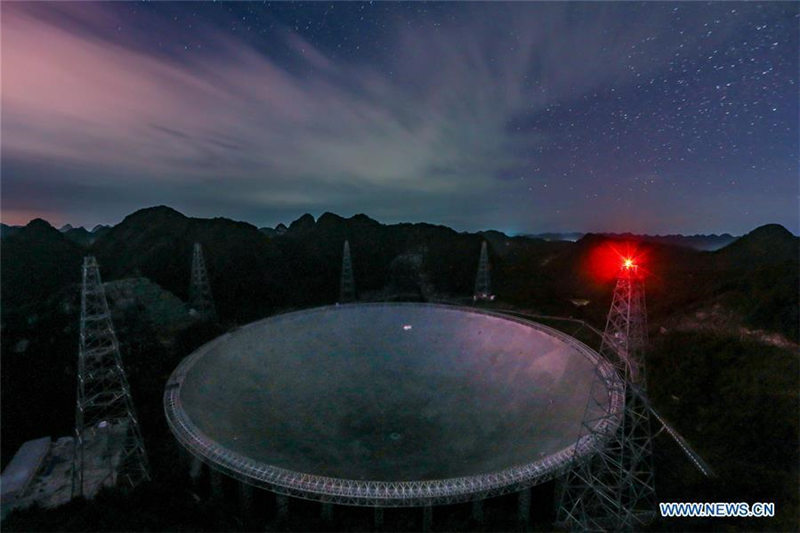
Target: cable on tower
[
  {"x": 200, "y": 299},
  {"x": 109, "y": 449},
  {"x": 483, "y": 289},
  {"x": 347, "y": 286},
  {"x": 615, "y": 489}
]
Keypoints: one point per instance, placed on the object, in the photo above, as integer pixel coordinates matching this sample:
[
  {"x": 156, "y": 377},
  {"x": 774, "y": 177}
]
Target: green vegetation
[{"x": 736, "y": 402}]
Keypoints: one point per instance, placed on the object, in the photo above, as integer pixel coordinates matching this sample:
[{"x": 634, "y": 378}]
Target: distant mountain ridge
[
  {"x": 254, "y": 271},
  {"x": 79, "y": 235},
  {"x": 708, "y": 242},
  {"x": 37, "y": 261},
  {"x": 7, "y": 231},
  {"x": 771, "y": 243}
]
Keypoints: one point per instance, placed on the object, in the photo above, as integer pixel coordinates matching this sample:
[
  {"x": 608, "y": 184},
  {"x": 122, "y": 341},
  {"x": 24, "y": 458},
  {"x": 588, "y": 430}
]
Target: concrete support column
[
  {"x": 216, "y": 483},
  {"x": 196, "y": 469},
  {"x": 378, "y": 518},
  {"x": 282, "y": 507},
  {"x": 326, "y": 513},
  {"x": 477, "y": 511},
  {"x": 524, "y": 506},
  {"x": 427, "y": 518}
]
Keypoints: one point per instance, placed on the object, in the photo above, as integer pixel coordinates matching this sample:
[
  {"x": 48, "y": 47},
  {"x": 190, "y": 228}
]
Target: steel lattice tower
[
  {"x": 347, "y": 287},
  {"x": 615, "y": 490},
  {"x": 105, "y": 420},
  {"x": 482, "y": 280},
  {"x": 200, "y": 290}
]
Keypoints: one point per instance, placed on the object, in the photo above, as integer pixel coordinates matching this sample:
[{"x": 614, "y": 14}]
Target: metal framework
[
  {"x": 483, "y": 290},
  {"x": 200, "y": 290},
  {"x": 615, "y": 489},
  {"x": 347, "y": 287},
  {"x": 387, "y": 493},
  {"x": 104, "y": 408},
  {"x": 702, "y": 466}
]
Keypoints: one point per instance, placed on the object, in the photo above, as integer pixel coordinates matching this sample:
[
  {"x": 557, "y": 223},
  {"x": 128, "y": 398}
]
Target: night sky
[{"x": 522, "y": 117}]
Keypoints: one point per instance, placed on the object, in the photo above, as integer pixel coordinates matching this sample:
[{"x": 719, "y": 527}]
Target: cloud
[{"x": 430, "y": 118}]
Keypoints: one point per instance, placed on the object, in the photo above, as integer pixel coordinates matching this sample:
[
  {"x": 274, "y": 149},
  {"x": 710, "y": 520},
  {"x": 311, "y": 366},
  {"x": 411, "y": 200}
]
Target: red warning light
[{"x": 610, "y": 259}]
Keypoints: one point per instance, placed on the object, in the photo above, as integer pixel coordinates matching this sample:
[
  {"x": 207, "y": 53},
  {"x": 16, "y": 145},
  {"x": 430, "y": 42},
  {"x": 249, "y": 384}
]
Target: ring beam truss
[{"x": 377, "y": 493}]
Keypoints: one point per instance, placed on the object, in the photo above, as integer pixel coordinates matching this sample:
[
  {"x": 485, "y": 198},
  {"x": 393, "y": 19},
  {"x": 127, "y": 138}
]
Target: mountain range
[
  {"x": 723, "y": 325},
  {"x": 698, "y": 241},
  {"x": 257, "y": 271},
  {"x": 707, "y": 242}
]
